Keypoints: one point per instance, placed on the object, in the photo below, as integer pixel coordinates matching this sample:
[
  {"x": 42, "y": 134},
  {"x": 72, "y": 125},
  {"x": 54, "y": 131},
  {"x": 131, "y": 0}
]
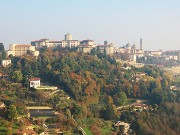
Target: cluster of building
[
  {"x": 86, "y": 46},
  {"x": 167, "y": 55}
]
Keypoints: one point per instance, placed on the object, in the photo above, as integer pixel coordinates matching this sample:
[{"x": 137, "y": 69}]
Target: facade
[
  {"x": 87, "y": 42},
  {"x": 106, "y": 48},
  {"x": 67, "y": 42},
  {"x": 86, "y": 46},
  {"x": 140, "y": 107},
  {"x": 171, "y": 57},
  {"x": 132, "y": 57},
  {"x": 34, "y": 82},
  {"x": 153, "y": 53},
  {"x": 5, "y": 63},
  {"x": 21, "y": 49},
  {"x": 45, "y": 43},
  {"x": 68, "y": 36},
  {"x": 40, "y": 43}
]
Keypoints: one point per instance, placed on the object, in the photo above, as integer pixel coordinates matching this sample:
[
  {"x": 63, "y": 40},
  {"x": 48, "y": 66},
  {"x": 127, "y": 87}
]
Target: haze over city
[{"x": 118, "y": 21}]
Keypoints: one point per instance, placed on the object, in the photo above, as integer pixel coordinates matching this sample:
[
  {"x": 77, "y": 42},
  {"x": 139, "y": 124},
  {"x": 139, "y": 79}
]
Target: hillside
[{"x": 98, "y": 85}]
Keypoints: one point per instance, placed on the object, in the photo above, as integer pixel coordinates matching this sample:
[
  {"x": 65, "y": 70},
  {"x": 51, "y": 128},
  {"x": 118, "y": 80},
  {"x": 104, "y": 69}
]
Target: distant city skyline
[{"x": 117, "y": 21}]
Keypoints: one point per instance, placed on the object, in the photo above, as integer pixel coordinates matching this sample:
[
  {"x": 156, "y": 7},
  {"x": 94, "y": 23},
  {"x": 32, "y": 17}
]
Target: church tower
[
  {"x": 141, "y": 44},
  {"x": 68, "y": 36}
]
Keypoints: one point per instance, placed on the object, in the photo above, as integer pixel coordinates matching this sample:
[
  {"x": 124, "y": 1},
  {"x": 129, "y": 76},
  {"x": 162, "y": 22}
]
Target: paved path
[
  {"x": 137, "y": 102},
  {"x": 39, "y": 107}
]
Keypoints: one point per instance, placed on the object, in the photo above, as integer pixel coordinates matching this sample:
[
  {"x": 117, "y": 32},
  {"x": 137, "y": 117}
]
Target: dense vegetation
[{"x": 99, "y": 85}]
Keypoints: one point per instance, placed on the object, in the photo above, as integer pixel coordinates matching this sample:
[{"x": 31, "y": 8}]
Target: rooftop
[
  {"x": 34, "y": 79},
  {"x": 23, "y": 45}
]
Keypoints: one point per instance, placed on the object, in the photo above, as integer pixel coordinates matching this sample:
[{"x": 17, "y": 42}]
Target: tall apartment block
[{"x": 22, "y": 49}]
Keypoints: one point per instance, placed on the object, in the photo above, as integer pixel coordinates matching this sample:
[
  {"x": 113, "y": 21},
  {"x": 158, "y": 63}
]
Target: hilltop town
[{"x": 127, "y": 52}]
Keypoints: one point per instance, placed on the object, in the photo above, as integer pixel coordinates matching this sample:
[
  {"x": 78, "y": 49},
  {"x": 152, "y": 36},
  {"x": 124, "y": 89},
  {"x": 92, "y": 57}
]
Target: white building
[
  {"x": 45, "y": 43},
  {"x": 5, "y": 63},
  {"x": 171, "y": 57},
  {"x": 21, "y": 49},
  {"x": 153, "y": 53},
  {"x": 67, "y": 42},
  {"x": 132, "y": 57},
  {"x": 34, "y": 82}
]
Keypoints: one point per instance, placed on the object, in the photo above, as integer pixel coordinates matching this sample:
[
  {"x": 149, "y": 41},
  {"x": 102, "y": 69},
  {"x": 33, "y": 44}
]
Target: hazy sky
[{"x": 118, "y": 21}]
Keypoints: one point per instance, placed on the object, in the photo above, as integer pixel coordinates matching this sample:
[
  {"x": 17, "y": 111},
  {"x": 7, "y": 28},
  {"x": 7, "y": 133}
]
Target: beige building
[
  {"x": 21, "y": 49},
  {"x": 86, "y": 46},
  {"x": 68, "y": 37},
  {"x": 107, "y": 48}
]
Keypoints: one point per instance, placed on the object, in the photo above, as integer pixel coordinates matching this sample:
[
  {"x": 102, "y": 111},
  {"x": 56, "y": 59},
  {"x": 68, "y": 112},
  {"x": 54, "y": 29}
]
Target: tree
[
  {"x": 143, "y": 89},
  {"x": 2, "y": 51},
  {"x": 17, "y": 76},
  {"x": 122, "y": 98},
  {"x": 164, "y": 84},
  {"x": 109, "y": 112},
  {"x": 68, "y": 113},
  {"x": 12, "y": 113},
  {"x": 77, "y": 110}
]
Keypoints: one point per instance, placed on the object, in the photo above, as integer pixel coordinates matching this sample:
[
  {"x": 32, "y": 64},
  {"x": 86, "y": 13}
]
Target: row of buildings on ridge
[{"x": 86, "y": 46}]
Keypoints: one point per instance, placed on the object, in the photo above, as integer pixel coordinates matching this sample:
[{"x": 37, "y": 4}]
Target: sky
[{"x": 157, "y": 22}]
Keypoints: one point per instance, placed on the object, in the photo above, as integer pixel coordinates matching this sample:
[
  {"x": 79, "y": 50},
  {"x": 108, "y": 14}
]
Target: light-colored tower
[
  {"x": 68, "y": 36},
  {"x": 134, "y": 48},
  {"x": 106, "y": 42},
  {"x": 179, "y": 56},
  {"x": 141, "y": 44}
]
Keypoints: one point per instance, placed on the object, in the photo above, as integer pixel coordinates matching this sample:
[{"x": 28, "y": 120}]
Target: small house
[{"x": 34, "y": 82}]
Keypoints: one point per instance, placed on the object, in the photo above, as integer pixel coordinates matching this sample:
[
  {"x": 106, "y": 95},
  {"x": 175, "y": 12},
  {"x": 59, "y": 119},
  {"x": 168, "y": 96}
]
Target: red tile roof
[{"x": 34, "y": 79}]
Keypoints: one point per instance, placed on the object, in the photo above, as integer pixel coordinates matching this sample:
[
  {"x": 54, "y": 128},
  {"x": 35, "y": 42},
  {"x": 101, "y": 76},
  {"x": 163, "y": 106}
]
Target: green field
[{"x": 88, "y": 131}]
